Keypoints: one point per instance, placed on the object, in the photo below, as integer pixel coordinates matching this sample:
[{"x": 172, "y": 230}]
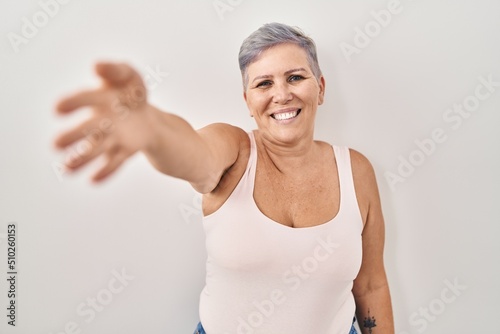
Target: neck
[{"x": 288, "y": 158}]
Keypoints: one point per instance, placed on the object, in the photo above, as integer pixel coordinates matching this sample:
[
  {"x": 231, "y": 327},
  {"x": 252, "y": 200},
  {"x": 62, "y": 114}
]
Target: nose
[{"x": 282, "y": 93}]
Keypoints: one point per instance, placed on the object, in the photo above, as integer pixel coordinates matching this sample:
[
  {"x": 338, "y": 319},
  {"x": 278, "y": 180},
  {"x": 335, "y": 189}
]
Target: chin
[{"x": 289, "y": 135}]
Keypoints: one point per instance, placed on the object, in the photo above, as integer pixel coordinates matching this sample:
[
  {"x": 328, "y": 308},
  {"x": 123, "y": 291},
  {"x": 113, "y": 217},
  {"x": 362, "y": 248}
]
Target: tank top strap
[
  {"x": 346, "y": 179},
  {"x": 252, "y": 161},
  {"x": 243, "y": 192}
]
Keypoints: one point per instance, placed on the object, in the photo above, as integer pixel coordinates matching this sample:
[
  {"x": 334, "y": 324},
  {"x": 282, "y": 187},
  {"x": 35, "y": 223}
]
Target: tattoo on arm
[{"x": 369, "y": 322}]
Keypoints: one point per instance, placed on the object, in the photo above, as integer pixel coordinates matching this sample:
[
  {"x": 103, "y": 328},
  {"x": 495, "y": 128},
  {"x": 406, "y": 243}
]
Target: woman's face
[{"x": 283, "y": 94}]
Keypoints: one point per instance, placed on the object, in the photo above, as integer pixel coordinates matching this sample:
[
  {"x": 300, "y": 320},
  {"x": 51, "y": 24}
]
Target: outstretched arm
[
  {"x": 123, "y": 123},
  {"x": 371, "y": 289}
]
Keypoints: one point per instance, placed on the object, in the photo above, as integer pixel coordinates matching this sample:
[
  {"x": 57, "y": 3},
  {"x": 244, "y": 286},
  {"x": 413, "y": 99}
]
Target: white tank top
[{"x": 267, "y": 278}]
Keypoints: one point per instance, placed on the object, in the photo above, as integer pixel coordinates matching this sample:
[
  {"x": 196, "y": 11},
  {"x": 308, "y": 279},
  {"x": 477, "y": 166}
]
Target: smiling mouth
[{"x": 286, "y": 115}]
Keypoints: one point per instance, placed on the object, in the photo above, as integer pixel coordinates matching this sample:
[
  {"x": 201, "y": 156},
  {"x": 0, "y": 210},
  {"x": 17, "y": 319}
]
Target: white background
[{"x": 442, "y": 222}]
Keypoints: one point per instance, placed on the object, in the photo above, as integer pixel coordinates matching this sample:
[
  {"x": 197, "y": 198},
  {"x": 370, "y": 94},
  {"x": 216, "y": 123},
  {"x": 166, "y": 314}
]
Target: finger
[
  {"x": 83, "y": 152},
  {"x": 114, "y": 161},
  {"x": 88, "y": 129},
  {"x": 115, "y": 73},
  {"x": 82, "y": 99}
]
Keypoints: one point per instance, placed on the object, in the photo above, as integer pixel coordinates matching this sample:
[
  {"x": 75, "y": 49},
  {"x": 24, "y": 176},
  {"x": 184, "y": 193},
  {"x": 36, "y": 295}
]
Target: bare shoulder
[
  {"x": 365, "y": 182},
  {"x": 231, "y": 145},
  {"x": 224, "y": 144},
  {"x": 229, "y": 142},
  {"x": 225, "y": 141},
  {"x": 360, "y": 165},
  {"x": 224, "y": 131}
]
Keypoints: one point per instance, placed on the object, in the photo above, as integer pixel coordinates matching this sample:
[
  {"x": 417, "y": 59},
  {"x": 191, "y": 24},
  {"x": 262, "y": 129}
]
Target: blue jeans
[{"x": 199, "y": 329}]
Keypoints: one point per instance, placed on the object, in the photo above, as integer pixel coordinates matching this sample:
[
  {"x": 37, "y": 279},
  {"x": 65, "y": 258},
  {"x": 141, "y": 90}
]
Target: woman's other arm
[{"x": 371, "y": 289}]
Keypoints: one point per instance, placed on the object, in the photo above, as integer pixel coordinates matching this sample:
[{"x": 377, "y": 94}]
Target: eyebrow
[{"x": 266, "y": 76}]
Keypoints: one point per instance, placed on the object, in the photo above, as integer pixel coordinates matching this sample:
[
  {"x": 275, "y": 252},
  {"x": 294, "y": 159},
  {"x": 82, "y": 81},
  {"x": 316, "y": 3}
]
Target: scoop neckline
[{"x": 274, "y": 222}]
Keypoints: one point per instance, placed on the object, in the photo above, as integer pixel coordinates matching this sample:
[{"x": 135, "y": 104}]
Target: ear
[
  {"x": 321, "y": 96},
  {"x": 245, "y": 98}
]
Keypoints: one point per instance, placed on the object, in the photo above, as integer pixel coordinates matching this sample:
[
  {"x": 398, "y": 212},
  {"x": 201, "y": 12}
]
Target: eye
[
  {"x": 295, "y": 77},
  {"x": 264, "y": 83}
]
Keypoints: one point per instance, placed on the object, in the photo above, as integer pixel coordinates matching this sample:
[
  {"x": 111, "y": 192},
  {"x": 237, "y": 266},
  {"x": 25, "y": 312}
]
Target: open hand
[{"x": 122, "y": 122}]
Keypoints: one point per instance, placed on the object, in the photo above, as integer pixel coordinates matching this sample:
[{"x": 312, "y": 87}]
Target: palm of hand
[{"x": 120, "y": 124}]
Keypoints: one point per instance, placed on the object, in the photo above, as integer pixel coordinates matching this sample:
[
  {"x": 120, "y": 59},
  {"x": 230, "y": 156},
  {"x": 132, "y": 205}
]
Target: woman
[{"x": 294, "y": 227}]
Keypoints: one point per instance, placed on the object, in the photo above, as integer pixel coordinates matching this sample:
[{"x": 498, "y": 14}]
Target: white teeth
[{"x": 285, "y": 115}]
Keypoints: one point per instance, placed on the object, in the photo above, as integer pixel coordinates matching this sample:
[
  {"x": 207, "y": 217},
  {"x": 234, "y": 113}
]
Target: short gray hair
[{"x": 272, "y": 34}]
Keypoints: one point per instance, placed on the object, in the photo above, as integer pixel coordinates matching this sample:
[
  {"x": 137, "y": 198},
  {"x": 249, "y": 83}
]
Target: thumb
[{"x": 115, "y": 73}]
